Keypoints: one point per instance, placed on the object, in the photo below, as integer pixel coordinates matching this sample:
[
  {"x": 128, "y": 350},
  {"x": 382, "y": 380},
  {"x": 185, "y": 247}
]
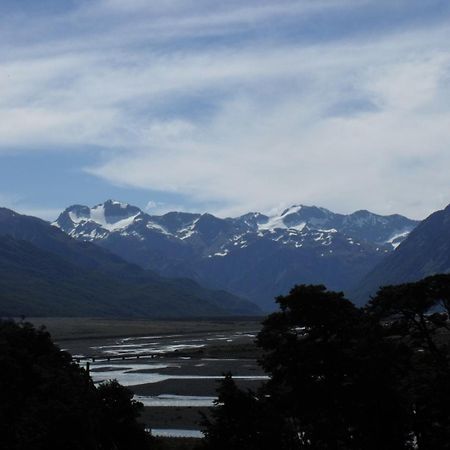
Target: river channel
[{"x": 173, "y": 375}]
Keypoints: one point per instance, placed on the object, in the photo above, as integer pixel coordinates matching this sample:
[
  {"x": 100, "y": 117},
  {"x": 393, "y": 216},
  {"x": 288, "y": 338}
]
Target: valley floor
[{"x": 179, "y": 382}]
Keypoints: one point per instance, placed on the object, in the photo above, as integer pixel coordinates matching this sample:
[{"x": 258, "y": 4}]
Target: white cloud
[
  {"x": 6, "y": 200},
  {"x": 48, "y": 214},
  {"x": 18, "y": 204},
  {"x": 352, "y": 123}
]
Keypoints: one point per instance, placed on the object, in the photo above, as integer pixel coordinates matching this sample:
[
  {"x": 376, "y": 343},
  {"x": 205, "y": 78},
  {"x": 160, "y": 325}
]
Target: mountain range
[
  {"x": 116, "y": 260},
  {"x": 254, "y": 256},
  {"x": 43, "y": 271}
]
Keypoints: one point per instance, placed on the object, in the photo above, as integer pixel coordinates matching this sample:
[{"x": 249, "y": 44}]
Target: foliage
[
  {"x": 119, "y": 417},
  {"x": 241, "y": 417},
  {"x": 417, "y": 314},
  {"x": 47, "y": 402},
  {"x": 346, "y": 378}
]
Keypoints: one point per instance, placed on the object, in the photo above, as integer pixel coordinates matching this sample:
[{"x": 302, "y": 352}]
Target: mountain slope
[
  {"x": 254, "y": 255},
  {"x": 426, "y": 251},
  {"x": 45, "y": 272}
]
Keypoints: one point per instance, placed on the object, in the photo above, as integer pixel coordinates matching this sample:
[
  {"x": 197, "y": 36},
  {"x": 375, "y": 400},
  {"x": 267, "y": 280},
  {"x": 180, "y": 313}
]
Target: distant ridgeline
[
  {"x": 44, "y": 272},
  {"x": 253, "y": 256}
]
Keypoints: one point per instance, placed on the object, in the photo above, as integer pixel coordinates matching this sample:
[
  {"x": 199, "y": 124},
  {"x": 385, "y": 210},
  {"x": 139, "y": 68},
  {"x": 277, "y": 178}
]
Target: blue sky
[{"x": 225, "y": 107}]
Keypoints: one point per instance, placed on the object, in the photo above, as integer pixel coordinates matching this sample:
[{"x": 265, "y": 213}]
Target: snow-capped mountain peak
[
  {"x": 297, "y": 217},
  {"x": 110, "y": 216},
  {"x": 294, "y": 223},
  {"x": 114, "y": 215},
  {"x": 254, "y": 255}
]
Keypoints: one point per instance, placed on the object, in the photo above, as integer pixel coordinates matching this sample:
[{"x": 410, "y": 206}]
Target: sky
[{"x": 225, "y": 107}]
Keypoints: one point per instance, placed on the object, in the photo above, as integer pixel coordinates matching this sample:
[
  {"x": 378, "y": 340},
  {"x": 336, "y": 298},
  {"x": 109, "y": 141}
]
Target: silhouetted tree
[
  {"x": 48, "y": 402},
  {"x": 332, "y": 375},
  {"x": 346, "y": 378},
  {"x": 119, "y": 417},
  {"x": 416, "y": 314}
]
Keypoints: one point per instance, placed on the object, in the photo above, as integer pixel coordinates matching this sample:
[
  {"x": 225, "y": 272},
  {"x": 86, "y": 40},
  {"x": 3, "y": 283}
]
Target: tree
[
  {"x": 119, "y": 417},
  {"x": 332, "y": 375},
  {"x": 346, "y": 378},
  {"x": 416, "y": 314},
  {"x": 48, "y": 402}
]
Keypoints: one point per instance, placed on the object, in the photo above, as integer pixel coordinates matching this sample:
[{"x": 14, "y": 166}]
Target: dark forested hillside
[
  {"x": 426, "y": 251},
  {"x": 45, "y": 272}
]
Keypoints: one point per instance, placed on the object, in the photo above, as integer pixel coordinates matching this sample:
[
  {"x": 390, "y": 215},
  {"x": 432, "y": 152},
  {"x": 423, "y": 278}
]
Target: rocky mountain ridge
[
  {"x": 102, "y": 220},
  {"x": 255, "y": 255}
]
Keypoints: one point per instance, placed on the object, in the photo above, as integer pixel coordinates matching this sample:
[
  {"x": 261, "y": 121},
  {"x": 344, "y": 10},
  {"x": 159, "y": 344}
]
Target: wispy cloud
[
  {"x": 244, "y": 106},
  {"x": 19, "y": 204}
]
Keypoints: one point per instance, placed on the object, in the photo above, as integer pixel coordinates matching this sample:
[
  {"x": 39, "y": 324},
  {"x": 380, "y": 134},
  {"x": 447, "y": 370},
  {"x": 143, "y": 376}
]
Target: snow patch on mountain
[
  {"x": 156, "y": 227},
  {"x": 97, "y": 216},
  {"x": 189, "y": 231},
  {"x": 397, "y": 238},
  {"x": 295, "y": 227},
  {"x": 278, "y": 221}
]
